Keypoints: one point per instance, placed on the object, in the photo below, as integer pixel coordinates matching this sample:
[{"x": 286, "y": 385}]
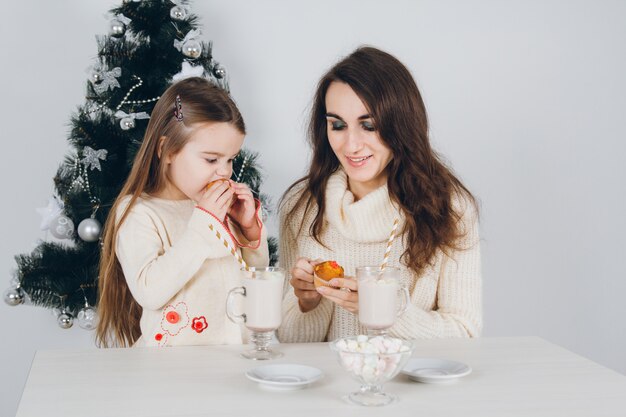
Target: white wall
[{"x": 526, "y": 99}]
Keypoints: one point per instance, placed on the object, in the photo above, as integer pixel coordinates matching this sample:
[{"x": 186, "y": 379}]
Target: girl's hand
[
  {"x": 345, "y": 293},
  {"x": 243, "y": 211},
  {"x": 218, "y": 199},
  {"x": 302, "y": 283}
]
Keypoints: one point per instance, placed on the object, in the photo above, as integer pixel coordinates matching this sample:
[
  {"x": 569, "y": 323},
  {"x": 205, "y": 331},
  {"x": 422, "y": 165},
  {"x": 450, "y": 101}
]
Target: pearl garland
[
  {"x": 243, "y": 166},
  {"x": 124, "y": 100}
]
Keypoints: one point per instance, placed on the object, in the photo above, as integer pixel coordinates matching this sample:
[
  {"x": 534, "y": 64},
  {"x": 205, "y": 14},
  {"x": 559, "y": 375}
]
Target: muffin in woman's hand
[{"x": 325, "y": 271}]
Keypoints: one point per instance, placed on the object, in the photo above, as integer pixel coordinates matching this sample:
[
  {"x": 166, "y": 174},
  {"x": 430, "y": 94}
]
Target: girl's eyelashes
[{"x": 213, "y": 161}]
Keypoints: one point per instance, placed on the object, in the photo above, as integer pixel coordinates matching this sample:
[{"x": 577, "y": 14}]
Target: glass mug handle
[
  {"x": 406, "y": 299},
  {"x": 235, "y": 318}
]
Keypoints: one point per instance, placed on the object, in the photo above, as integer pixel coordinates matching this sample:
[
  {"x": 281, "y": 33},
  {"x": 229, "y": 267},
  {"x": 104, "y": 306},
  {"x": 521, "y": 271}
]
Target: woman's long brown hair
[
  {"x": 418, "y": 182},
  {"x": 202, "y": 102}
]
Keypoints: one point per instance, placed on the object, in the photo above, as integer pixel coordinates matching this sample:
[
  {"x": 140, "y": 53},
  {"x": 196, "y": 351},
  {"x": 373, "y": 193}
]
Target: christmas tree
[{"x": 150, "y": 45}]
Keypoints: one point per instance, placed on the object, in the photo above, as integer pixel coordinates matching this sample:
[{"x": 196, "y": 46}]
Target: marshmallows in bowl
[{"x": 372, "y": 360}]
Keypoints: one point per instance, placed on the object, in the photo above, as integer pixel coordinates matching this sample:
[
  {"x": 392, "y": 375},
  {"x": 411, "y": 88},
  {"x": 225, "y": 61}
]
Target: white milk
[
  {"x": 263, "y": 302},
  {"x": 378, "y": 303}
]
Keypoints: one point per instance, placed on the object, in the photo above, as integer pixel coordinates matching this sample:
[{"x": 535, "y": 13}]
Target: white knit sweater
[
  {"x": 180, "y": 273},
  {"x": 445, "y": 298}
]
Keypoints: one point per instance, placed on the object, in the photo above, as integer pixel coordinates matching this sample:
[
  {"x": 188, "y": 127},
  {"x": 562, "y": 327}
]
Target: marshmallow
[{"x": 372, "y": 358}]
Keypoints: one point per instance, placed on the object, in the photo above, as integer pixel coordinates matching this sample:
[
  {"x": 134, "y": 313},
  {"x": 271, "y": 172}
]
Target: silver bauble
[
  {"x": 87, "y": 318},
  {"x": 62, "y": 227},
  {"x": 14, "y": 296},
  {"x": 117, "y": 28},
  {"x": 127, "y": 123},
  {"x": 65, "y": 320},
  {"x": 89, "y": 230},
  {"x": 192, "y": 48},
  {"x": 178, "y": 13},
  {"x": 96, "y": 77},
  {"x": 219, "y": 71}
]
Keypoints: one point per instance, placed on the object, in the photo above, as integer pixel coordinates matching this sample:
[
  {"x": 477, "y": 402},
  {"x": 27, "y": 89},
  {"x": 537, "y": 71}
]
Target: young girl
[{"x": 164, "y": 274}]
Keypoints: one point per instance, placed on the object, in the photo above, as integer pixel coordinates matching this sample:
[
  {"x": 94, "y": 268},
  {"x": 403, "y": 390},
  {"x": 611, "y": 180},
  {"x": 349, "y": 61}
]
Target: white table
[{"x": 522, "y": 376}]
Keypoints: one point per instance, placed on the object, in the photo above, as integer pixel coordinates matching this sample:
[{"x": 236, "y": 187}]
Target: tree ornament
[
  {"x": 91, "y": 157},
  {"x": 108, "y": 79},
  {"x": 192, "y": 48},
  {"x": 14, "y": 296},
  {"x": 96, "y": 77},
  {"x": 62, "y": 227},
  {"x": 178, "y": 13},
  {"x": 127, "y": 123},
  {"x": 65, "y": 320},
  {"x": 50, "y": 213},
  {"x": 87, "y": 317},
  {"x": 117, "y": 28},
  {"x": 219, "y": 71},
  {"x": 89, "y": 230}
]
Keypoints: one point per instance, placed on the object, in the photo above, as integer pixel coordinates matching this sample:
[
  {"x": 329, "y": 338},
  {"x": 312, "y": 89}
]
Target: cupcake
[
  {"x": 212, "y": 183},
  {"x": 325, "y": 271}
]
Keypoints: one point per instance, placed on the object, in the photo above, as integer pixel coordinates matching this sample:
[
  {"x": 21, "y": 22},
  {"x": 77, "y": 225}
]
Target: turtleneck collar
[{"x": 368, "y": 220}]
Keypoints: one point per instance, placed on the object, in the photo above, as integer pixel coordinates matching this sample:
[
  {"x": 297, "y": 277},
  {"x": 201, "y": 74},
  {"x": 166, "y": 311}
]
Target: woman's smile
[{"x": 358, "y": 161}]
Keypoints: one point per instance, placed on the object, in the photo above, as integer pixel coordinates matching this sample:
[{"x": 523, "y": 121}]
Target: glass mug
[
  {"x": 381, "y": 298},
  {"x": 262, "y": 290}
]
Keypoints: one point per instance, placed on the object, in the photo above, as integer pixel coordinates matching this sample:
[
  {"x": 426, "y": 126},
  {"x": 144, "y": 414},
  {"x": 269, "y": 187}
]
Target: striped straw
[
  {"x": 392, "y": 236},
  {"x": 230, "y": 248}
]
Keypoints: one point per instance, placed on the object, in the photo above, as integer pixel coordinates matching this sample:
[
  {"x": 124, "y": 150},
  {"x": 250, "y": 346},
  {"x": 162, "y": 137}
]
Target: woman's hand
[
  {"x": 243, "y": 211},
  {"x": 302, "y": 283},
  {"x": 345, "y": 293},
  {"x": 217, "y": 200}
]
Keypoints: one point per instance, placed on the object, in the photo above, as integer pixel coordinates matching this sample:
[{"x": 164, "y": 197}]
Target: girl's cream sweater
[{"x": 180, "y": 273}]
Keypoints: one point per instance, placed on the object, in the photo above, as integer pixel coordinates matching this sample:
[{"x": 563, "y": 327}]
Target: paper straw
[
  {"x": 392, "y": 236},
  {"x": 230, "y": 248}
]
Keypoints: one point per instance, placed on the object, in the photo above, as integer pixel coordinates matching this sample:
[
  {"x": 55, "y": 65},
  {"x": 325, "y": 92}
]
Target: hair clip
[{"x": 178, "y": 109}]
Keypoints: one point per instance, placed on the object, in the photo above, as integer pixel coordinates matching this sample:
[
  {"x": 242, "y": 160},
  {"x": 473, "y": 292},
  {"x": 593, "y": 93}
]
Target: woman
[{"x": 372, "y": 163}]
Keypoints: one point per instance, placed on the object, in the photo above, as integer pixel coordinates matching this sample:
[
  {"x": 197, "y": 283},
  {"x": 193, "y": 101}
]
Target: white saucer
[
  {"x": 284, "y": 376},
  {"x": 435, "y": 371}
]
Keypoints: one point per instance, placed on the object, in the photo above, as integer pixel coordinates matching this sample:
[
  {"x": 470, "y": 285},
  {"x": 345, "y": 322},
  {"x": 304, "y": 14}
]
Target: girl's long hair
[
  {"x": 201, "y": 102},
  {"x": 418, "y": 181}
]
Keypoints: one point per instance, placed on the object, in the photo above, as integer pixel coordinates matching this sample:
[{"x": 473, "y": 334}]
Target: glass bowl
[{"x": 372, "y": 361}]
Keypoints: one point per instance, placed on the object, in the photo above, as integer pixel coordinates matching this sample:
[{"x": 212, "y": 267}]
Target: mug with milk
[
  {"x": 262, "y": 291},
  {"x": 381, "y": 298}
]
